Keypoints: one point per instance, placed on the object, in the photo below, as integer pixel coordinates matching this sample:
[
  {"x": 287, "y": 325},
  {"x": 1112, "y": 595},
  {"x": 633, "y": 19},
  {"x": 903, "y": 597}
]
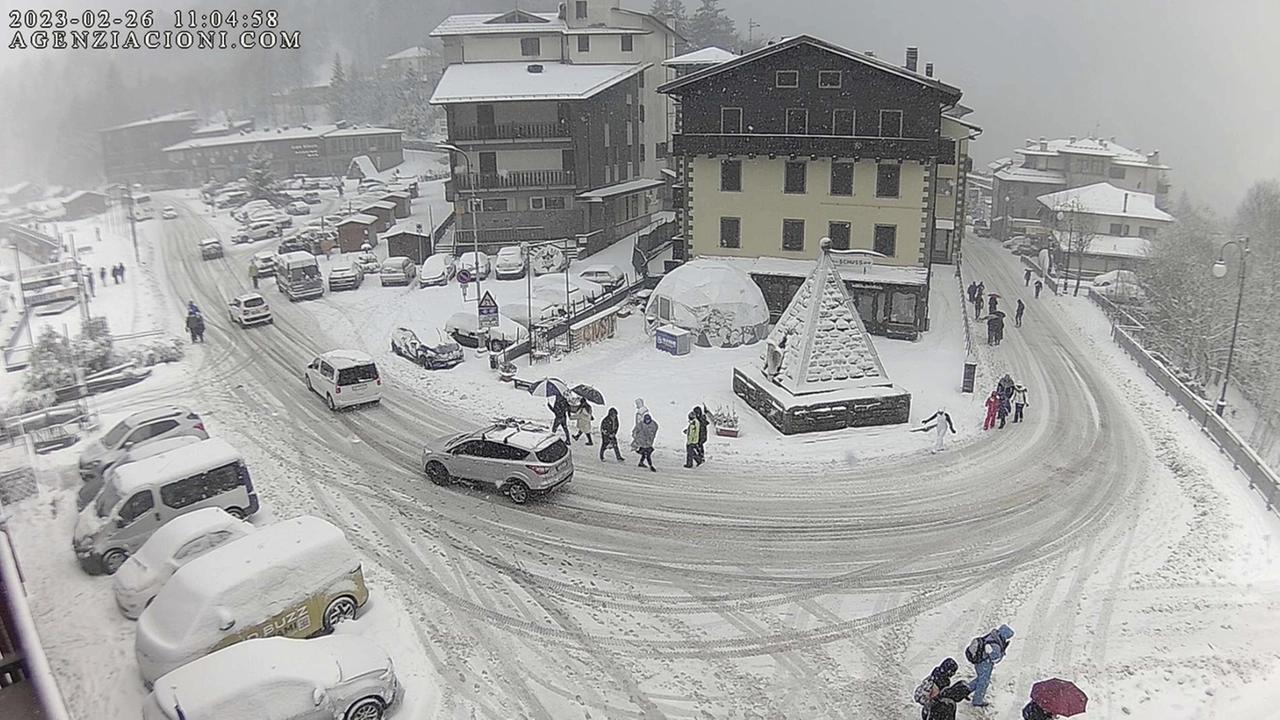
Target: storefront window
[{"x": 904, "y": 308}]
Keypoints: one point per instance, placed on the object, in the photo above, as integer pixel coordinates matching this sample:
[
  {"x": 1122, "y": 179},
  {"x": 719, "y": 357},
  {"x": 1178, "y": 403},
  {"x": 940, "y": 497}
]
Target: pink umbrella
[{"x": 1059, "y": 697}]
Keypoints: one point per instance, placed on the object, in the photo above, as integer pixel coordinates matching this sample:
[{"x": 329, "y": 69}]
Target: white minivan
[
  {"x": 144, "y": 495},
  {"x": 344, "y": 378}
]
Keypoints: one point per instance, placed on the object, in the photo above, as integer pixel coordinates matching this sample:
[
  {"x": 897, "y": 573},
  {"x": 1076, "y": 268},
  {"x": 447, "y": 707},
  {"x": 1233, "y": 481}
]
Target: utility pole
[
  {"x": 133, "y": 227},
  {"x": 751, "y": 32}
]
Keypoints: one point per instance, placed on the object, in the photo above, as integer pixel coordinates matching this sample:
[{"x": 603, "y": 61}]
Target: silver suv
[
  {"x": 518, "y": 459},
  {"x": 139, "y": 428}
]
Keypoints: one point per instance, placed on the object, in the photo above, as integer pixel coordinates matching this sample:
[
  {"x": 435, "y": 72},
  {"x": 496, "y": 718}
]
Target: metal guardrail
[{"x": 1243, "y": 457}]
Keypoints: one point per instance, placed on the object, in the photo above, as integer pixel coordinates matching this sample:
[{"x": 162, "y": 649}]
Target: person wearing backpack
[
  {"x": 1033, "y": 711},
  {"x": 930, "y": 687},
  {"x": 943, "y": 707},
  {"x": 984, "y": 652}
]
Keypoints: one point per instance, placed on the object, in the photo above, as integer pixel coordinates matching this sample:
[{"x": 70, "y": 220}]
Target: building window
[
  {"x": 797, "y": 121},
  {"x": 530, "y": 47},
  {"x": 628, "y": 43},
  {"x": 584, "y": 43},
  {"x": 580, "y": 9},
  {"x": 730, "y": 232},
  {"x": 642, "y": 153},
  {"x": 842, "y": 122},
  {"x": 537, "y": 203},
  {"x": 793, "y": 235},
  {"x": 488, "y": 162},
  {"x": 830, "y": 79},
  {"x": 1119, "y": 230},
  {"x": 641, "y": 76},
  {"x": 842, "y": 178},
  {"x": 660, "y": 150},
  {"x": 891, "y": 123},
  {"x": 731, "y": 176},
  {"x": 786, "y": 79},
  {"x": 887, "y": 240},
  {"x": 1146, "y": 233},
  {"x": 555, "y": 202},
  {"x": 888, "y": 180},
  {"x": 1116, "y": 172},
  {"x": 946, "y": 186},
  {"x": 642, "y": 113},
  {"x": 568, "y": 162},
  {"x": 794, "y": 180},
  {"x": 839, "y": 233},
  {"x": 730, "y": 120},
  {"x": 494, "y": 205},
  {"x": 607, "y": 135}
]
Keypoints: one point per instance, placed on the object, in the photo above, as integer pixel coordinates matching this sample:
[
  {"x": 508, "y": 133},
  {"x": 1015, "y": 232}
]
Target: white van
[
  {"x": 438, "y": 269},
  {"x": 144, "y": 495},
  {"x": 344, "y": 378},
  {"x": 296, "y": 578}
]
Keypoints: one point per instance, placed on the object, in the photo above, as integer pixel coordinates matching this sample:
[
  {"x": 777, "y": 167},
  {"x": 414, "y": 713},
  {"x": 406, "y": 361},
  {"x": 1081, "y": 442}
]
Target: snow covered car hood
[
  {"x": 93, "y": 451},
  {"x": 88, "y": 525},
  {"x": 135, "y": 576}
]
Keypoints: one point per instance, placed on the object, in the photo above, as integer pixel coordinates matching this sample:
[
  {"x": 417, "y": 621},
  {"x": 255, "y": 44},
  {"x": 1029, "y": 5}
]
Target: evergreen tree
[
  {"x": 710, "y": 26},
  {"x": 337, "y": 89},
  {"x": 260, "y": 177}
]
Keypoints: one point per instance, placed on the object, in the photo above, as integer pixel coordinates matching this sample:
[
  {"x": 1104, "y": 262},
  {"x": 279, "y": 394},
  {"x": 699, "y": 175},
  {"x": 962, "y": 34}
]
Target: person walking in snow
[
  {"x": 929, "y": 688},
  {"x": 993, "y": 404},
  {"x": 982, "y": 289},
  {"x": 89, "y": 275},
  {"x": 1019, "y": 402},
  {"x": 700, "y": 414},
  {"x": 253, "y": 275},
  {"x": 977, "y": 303},
  {"x": 560, "y": 411},
  {"x": 691, "y": 441},
  {"x": 998, "y": 319},
  {"x": 102, "y": 276},
  {"x": 645, "y": 434},
  {"x": 941, "y": 424},
  {"x": 122, "y": 273},
  {"x": 192, "y": 319},
  {"x": 1017, "y": 315},
  {"x": 641, "y": 411},
  {"x": 1026, "y": 278},
  {"x": 582, "y": 417},
  {"x": 943, "y": 707},
  {"x": 993, "y": 303},
  {"x": 973, "y": 288},
  {"x": 984, "y": 652},
  {"x": 1005, "y": 385},
  {"x": 1002, "y": 410},
  {"x": 609, "y": 434},
  {"x": 1039, "y": 287},
  {"x": 991, "y": 329},
  {"x": 1033, "y": 711}
]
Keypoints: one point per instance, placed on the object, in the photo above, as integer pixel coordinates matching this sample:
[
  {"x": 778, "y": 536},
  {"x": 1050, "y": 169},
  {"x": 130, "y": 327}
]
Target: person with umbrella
[
  {"x": 1054, "y": 698},
  {"x": 1032, "y": 711},
  {"x": 609, "y": 434},
  {"x": 582, "y": 417},
  {"x": 560, "y": 411},
  {"x": 1039, "y": 287},
  {"x": 943, "y": 707},
  {"x": 993, "y": 303}
]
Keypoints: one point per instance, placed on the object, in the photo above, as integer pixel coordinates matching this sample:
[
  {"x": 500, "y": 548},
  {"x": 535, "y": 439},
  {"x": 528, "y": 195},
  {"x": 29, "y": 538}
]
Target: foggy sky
[{"x": 1194, "y": 79}]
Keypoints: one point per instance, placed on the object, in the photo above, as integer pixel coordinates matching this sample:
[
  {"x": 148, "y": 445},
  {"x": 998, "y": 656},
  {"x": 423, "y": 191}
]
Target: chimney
[
  {"x": 1126, "y": 202},
  {"x": 1073, "y": 139},
  {"x": 928, "y": 69},
  {"x": 535, "y": 69},
  {"x": 1031, "y": 143},
  {"x": 913, "y": 57},
  {"x": 870, "y": 53},
  {"x": 1154, "y": 158},
  {"x": 1044, "y": 144},
  {"x": 1113, "y": 139}
]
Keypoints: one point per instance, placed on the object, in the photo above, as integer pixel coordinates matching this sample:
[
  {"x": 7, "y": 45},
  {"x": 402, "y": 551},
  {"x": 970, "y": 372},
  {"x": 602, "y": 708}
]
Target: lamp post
[
  {"x": 1220, "y": 271},
  {"x": 528, "y": 294},
  {"x": 473, "y": 209}
]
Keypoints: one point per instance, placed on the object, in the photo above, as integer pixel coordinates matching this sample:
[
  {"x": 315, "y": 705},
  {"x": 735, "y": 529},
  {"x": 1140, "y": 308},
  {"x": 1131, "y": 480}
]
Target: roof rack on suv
[{"x": 512, "y": 423}]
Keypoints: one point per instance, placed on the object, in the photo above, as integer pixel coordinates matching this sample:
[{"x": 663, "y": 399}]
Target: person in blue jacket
[{"x": 984, "y": 652}]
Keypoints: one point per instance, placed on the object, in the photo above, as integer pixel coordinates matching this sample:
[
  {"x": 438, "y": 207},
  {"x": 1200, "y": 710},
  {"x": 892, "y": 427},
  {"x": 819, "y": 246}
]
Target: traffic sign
[
  {"x": 464, "y": 276},
  {"x": 488, "y": 311}
]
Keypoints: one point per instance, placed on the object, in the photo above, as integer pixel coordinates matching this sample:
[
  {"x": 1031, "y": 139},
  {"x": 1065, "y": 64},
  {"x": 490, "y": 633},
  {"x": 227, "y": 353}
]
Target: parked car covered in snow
[
  {"x": 464, "y": 328},
  {"x": 262, "y": 230},
  {"x": 369, "y": 263},
  {"x": 513, "y": 460},
  {"x": 397, "y": 270},
  {"x": 298, "y": 207},
  {"x": 169, "y": 213},
  {"x": 177, "y": 543},
  {"x": 343, "y": 677},
  {"x": 510, "y": 263},
  {"x": 476, "y": 263},
  {"x": 345, "y": 277},
  {"x": 1119, "y": 286},
  {"x": 611, "y": 277},
  {"x": 295, "y": 578},
  {"x": 405, "y": 343},
  {"x": 249, "y": 309},
  {"x": 437, "y": 269},
  {"x": 135, "y": 432}
]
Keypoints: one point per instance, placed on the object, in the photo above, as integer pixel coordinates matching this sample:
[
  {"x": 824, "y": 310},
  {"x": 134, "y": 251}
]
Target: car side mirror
[
  {"x": 319, "y": 696},
  {"x": 225, "y": 621},
  {"x": 120, "y": 523}
]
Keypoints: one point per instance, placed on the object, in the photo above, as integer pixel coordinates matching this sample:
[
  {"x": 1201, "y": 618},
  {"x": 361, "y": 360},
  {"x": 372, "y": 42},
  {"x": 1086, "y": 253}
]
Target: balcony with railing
[
  {"x": 510, "y": 132},
  {"x": 509, "y": 180},
  {"x": 918, "y": 149}
]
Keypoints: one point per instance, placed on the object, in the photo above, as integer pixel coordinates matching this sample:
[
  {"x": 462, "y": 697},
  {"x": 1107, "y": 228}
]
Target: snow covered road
[{"x": 729, "y": 592}]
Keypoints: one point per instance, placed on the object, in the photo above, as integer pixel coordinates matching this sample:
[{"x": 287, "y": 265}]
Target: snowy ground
[{"x": 781, "y": 580}]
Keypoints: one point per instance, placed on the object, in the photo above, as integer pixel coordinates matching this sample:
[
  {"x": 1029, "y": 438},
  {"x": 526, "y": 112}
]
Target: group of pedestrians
[
  {"x": 994, "y": 316},
  {"x": 643, "y": 433},
  {"x": 117, "y": 274},
  {"x": 938, "y": 695},
  {"x": 1008, "y": 398}
]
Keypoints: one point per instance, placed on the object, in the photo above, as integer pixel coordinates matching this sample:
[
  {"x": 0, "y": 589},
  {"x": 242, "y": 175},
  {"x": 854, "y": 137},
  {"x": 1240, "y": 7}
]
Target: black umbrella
[{"x": 590, "y": 394}]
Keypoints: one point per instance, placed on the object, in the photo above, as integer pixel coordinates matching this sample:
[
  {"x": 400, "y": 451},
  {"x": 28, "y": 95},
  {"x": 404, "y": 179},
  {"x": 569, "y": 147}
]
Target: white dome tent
[{"x": 718, "y": 303}]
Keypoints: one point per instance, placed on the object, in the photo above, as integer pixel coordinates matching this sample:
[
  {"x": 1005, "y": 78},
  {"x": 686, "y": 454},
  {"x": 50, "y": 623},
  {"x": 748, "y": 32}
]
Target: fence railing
[
  {"x": 510, "y": 131},
  {"x": 513, "y": 179},
  {"x": 1243, "y": 457},
  {"x": 16, "y": 355}
]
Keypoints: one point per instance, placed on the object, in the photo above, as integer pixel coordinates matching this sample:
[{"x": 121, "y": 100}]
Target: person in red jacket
[{"x": 993, "y": 405}]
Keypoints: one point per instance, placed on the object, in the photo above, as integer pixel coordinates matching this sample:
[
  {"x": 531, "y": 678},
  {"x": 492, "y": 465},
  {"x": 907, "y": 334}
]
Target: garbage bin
[{"x": 674, "y": 340}]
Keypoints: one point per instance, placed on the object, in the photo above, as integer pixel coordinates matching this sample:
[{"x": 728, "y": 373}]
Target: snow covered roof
[
  {"x": 362, "y": 167},
  {"x": 820, "y": 343},
  {"x": 299, "y": 132},
  {"x": 514, "y": 21},
  {"x": 1021, "y": 174},
  {"x": 359, "y": 219},
  {"x": 622, "y": 188},
  {"x": 703, "y": 292},
  {"x": 1110, "y": 245},
  {"x": 183, "y": 116},
  {"x": 412, "y": 53},
  {"x": 792, "y": 267},
  {"x": 179, "y": 463},
  {"x": 1107, "y": 199},
  {"x": 1097, "y": 147},
  {"x": 81, "y": 193},
  {"x": 963, "y": 123},
  {"x": 791, "y": 42},
  {"x": 506, "y": 81},
  {"x": 705, "y": 56}
]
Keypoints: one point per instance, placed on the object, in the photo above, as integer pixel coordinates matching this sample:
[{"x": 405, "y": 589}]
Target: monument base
[{"x": 816, "y": 412}]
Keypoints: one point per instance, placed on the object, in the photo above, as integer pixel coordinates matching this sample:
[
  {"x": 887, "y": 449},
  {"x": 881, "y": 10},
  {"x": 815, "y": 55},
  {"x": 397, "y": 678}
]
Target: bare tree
[{"x": 1074, "y": 222}]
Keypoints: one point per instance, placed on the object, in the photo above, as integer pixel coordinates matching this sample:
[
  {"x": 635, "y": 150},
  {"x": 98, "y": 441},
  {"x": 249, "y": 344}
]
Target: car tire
[
  {"x": 112, "y": 561},
  {"x": 329, "y": 401},
  {"x": 370, "y": 708},
  {"x": 236, "y": 513},
  {"x": 518, "y": 491},
  {"x": 438, "y": 473},
  {"x": 309, "y": 388},
  {"x": 340, "y": 608}
]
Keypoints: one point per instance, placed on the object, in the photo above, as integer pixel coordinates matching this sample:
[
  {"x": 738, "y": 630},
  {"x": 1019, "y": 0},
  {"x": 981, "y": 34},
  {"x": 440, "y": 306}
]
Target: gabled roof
[
  {"x": 509, "y": 81},
  {"x": 412, "y": 53},
  {"x": 184, "y": 116},
  {"x": 1032, "y": 175},
  {"x": 1096, "y": 147},
  {"x": 1107, "y": 199},
  {"x": 705, "y": 56},
  {"x": 515, "y": 21},
  {"x": 821, "y": 341},
  {"x": 1109, "y": 245},
  {"x": 798, "y": 40},
  {"x": 654, "y": 19}
]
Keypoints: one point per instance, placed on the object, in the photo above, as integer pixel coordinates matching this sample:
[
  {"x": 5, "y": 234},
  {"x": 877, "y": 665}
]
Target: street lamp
[
  {"x": 473, "y": 209},
  {"x": 528, "y": 291},
  {"x": 1220, "y": 271}
]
